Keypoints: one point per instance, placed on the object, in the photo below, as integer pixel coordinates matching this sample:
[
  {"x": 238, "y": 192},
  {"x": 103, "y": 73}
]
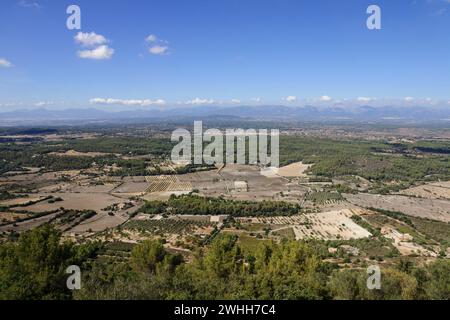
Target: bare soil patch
[
  {"x": 297, "y": 169},
  {"x": 437, "y": 190}
]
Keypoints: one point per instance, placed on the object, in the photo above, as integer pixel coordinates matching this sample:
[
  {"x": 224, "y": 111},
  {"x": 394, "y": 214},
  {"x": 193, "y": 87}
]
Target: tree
[
  {"x": 34, "y": 267},
  {"x": 437, "y": 286},
  {"x": 146, "y": 256},
  {"x": 352, "y": 285},
  {"x": 344, "y": 285}
]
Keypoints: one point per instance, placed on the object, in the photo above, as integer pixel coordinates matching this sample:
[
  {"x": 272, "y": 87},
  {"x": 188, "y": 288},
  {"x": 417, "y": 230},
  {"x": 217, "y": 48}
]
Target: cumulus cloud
[
  {"x": 364, "y": 99},
  {"x": 5, "y": 63},
  {"x": 158, "y": 50},
  {"x": 325, "y": 98},
  {"x": 96, "y": 44},
  {"x": 256, "y": 99},
  {"x": 91, "y": 39},
  {"x": 130, "y": 102},
  {"x": 198, "y": 101},
  {"x": 158, "y": 46},
  {"x": 409, "y": 99},
  {"x": 99, "y": 53},
  {"x": 235, "y": 101},
  {"x": 291, "y": 98}
]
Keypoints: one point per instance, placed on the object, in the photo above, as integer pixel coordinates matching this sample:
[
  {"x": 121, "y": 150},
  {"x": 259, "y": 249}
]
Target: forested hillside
[{"x": 34, "y": 268}]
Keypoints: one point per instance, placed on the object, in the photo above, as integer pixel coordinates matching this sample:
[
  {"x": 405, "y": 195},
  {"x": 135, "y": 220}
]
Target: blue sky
[{"x": 223, "y": 52}]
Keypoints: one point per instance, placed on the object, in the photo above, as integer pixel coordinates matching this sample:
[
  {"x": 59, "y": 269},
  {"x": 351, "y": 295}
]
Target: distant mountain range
[{"x": 279, "y": 113}]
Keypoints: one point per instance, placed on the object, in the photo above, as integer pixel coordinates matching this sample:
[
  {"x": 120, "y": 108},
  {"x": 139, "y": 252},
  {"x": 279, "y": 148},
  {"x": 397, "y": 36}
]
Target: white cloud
[
  {"x": 151, "y": 38},
  {"x": 5, "y": 63},
  {"x": 12, "y": 104},
  {"x": 158, "y": 46},
  {"x": 235, "y": 101},
  {"x": 364, "y": 99},
  {"x": 99, "y": 53},
  {"x": 33, "y": 104},
  {"x": 291, "y": 98},
  {"x": 97, "y": 42},
  {"x": 91, "y": 39},
  {"x": 198, "y": 101},
  {"x": 160, "y": 50},
  {"x": 256, "y": 99},
  {"x": 130, "y": 102},
  {"x": 43, "y": 103},
  {"x": 325, "y": 98},
  {"x": 409, "y": 99}
]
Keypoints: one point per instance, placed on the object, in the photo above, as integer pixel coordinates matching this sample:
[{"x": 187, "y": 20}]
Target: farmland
[
  {"x": 164, "y": 227},
  {"x": 352, "y": 202},
  {"x": 418, "y": 207},
  {"x": 167, "y": 183},
  {"x": 435, "y": 190},
  {"x": 324, "y": 226}
]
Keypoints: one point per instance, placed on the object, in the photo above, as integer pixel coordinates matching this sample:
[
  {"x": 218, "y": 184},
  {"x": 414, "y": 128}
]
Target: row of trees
[{"x": 197, "y": 205}]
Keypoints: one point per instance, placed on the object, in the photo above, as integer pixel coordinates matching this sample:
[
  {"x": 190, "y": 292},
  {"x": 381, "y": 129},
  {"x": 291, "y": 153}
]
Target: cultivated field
[
  {"x": 164, "y": 183},
  {"x": 75, "y": 201},
  {"x": 6, "y": 217},
  {"x": 331, "y": 225},
  {"x": 22, "y": 201},
  {"x": 132, "y": 188},
  {"x": 28, "y": 224},
  {"x": 417, "y": 207},
  {"x": 435, "y": 190},
  {"x": 73, "y": 153}
]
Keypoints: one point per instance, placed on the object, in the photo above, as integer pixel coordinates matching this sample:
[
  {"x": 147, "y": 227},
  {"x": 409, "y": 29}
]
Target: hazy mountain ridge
[{"x": 308, "y": 113}]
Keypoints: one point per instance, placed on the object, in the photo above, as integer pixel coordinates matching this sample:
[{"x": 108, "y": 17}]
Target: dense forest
[
  {"x": 34, "y": 268},
  {"x": 378, "y": 161}
]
